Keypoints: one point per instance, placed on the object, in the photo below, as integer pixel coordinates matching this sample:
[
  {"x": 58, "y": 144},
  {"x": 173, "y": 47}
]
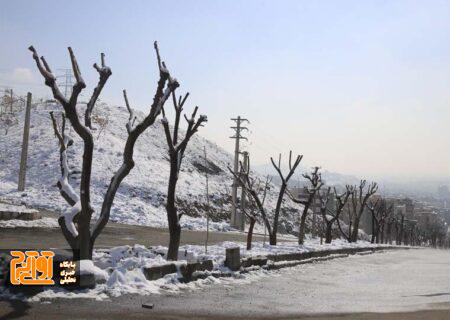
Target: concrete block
[
  {"x": 157, "y": 272},
  {"x": 188, "y": 269},
  {"x": 9, "y": 215},
  {"x": 233, "y": 258},
  {"x": 253, "y": 261}
]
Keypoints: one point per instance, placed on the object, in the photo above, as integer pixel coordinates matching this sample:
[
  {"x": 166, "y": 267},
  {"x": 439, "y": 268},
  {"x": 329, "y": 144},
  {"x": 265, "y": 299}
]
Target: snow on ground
[
  {"x": 15, "y": 208},
  {"x": 394, "y": 281},
  {"x": 119, "y": 270},
  {"x": 44, "y": 222},
  {"x": 14, "y": 223},
  {"x": 217, "y": 252},
  {"x": 141, "y": 197}
]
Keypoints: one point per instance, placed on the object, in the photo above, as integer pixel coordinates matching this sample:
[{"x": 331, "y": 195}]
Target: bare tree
[
  {"x": 283, "y": 189},
  {"x": 358, "y": 200},
  {"x": 315, "y": 181},
  {"x": 247, "y": 183},
  {"x": 341, "y": 202},
  {"x": 8, "y": 120},
  {"x": 330, "y": 216},
  {"x": 383, "y": 219},
  {"x": 325, "y": 212},
  {"x": 390, "y": 223},
  {"x": 375, "y": 208},
  {"x": 251, "y": 211},
  {"x": 176, "y": 153},
  {"x": 76, "y": 224},
  {"x": 253, "y": 191}
]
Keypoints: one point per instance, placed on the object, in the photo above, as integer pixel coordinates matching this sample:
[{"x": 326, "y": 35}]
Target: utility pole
[
  {"x": 207, "y": 200},
  {"x": 237, "y": 217},
  {"x": 245, "y": 170},
  {"x": 11, "y": 100},
  {"x": 24, "y": 154}
]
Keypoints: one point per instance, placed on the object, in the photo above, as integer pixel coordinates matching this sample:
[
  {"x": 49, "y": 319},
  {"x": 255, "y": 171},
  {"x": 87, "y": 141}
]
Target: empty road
[{"x": 404, "y": 284}]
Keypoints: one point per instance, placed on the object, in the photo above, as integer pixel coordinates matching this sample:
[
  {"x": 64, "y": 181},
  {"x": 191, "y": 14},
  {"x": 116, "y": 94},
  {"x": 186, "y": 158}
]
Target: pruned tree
[
  {"x": 76, "y": 223},
  {"x": 387, "y": 209},
  {"x": 256, "y": 192},
  {"x": 283, "y": 189},
  {"x": 330, "y": 216},
  {"x": 251, "y": 211},
  {"x": 327, "y": 219},
  {"x": 375, "y": 208},
  {"x": 260, "y": 188},
  {"x": 358, "y": 201},
  {"x": 256, "y": 196},
  {"x": 315, "y": 183},
  {"x": 177, "y": 147},
  {"x": 341, "y": 202},
  {"x": 390, "y": 224}
]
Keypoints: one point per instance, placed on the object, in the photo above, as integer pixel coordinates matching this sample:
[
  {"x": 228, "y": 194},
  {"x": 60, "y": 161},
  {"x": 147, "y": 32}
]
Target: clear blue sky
[{"x": 360, "y": 87}]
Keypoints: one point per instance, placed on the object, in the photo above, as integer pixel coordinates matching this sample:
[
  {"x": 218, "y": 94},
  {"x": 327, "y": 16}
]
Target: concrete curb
[{"x": 280, "y": 261}]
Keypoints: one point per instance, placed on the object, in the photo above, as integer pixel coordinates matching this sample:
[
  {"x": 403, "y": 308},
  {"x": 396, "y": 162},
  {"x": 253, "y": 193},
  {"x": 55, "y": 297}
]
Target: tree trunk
[
  {"x": 389, "y": 233},
  {"x": 328, "y": 233},
  {"x": 277, "y": 213},
  {"x": 302, "y": 227},
  {"x": 354, "y": 235},
  {"x": 172, "y": 215},
  {"x": 250, "y": 233},
  {"x": 85, "y": 240},
  {"x": 273, "y": 239},
  {"x": 174, "y": 242},
  {"x": 372, "y": 240}
]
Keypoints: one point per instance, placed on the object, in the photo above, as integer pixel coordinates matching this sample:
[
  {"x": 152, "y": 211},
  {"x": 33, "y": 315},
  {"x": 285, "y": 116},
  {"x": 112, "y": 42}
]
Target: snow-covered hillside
[{"x": 141, "y": 197}]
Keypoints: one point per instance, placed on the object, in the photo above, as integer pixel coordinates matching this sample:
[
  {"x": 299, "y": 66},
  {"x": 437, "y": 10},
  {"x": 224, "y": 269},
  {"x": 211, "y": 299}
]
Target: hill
[{"x": 141, "y": 197}]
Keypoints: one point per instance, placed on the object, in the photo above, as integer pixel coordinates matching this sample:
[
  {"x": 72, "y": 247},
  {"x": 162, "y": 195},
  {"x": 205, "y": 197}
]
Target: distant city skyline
[{"x": 357, "y": 87}]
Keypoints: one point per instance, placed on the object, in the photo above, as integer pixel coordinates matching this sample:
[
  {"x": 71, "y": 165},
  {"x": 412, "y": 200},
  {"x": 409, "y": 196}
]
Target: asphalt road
[
  {"x": 406, "y": 284},
  {"x": 113, "y": 235}
]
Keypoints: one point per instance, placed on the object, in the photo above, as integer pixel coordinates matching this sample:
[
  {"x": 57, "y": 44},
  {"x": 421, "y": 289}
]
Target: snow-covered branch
[
  {"x": 104, "y": 73},
  {"x": 66, "y": 190}
]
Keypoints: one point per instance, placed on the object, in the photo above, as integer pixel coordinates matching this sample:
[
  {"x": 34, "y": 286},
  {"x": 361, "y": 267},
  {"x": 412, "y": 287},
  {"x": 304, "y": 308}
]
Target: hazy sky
[{"x": 359, "y": 87}]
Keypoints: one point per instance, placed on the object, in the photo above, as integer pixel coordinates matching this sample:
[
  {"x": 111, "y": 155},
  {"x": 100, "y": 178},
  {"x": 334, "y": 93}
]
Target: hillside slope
[{"x": 141, "y": 197}]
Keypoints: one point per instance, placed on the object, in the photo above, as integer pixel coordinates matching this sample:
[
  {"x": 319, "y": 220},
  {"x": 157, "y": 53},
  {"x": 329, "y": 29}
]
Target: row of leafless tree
[
  {"x": 77, "y": 225},
  {"x": 81, "y": 232},
  {"x": 340, "y": 212},
  {"x": 354, "y": 198}
]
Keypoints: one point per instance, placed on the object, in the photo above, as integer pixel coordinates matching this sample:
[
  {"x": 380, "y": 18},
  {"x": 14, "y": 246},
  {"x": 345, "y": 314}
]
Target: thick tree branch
[
  {"x": 104, "y": 73},
  {"x": 162, "y": 93}
]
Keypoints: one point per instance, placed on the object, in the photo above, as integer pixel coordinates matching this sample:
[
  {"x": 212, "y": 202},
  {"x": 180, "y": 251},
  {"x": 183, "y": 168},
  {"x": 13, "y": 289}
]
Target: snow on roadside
[
  {"x": 217, "y": 252},
  {"x": 15, "y": 208},
  {"x": 120, "y": 270},
  {"x": 16, "y": 223},
  {"x": 44, "y": 222}
]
